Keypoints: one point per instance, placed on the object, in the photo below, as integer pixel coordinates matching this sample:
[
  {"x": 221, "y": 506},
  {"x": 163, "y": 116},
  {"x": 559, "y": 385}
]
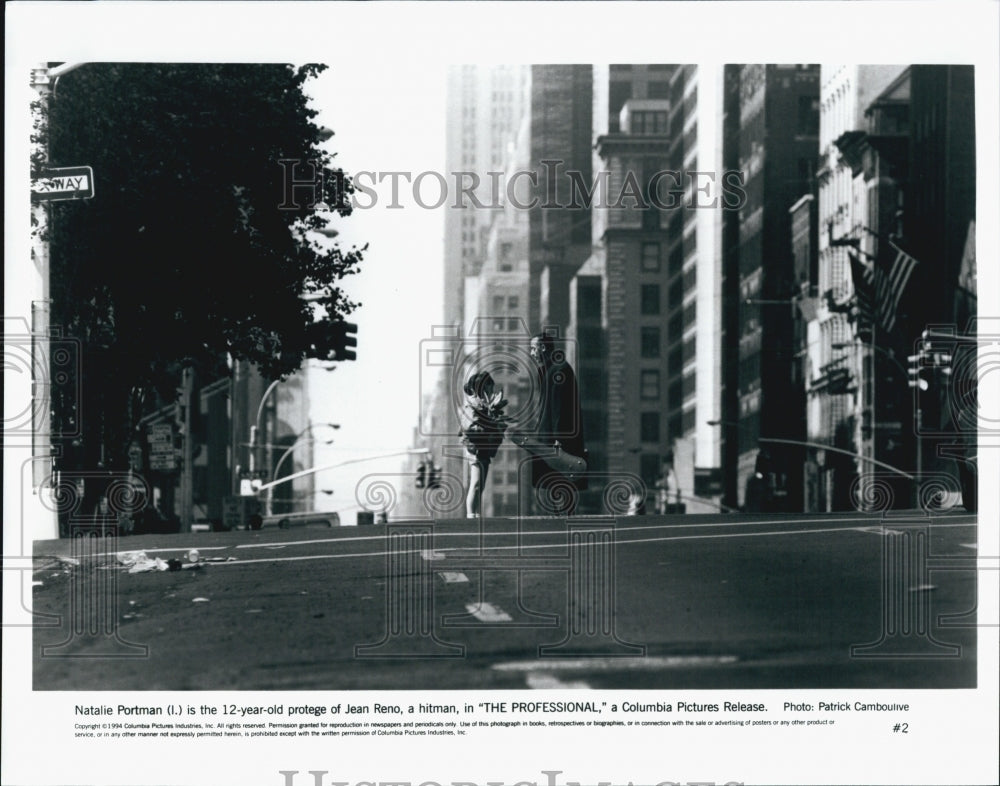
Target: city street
[{"x": 686, "y": 602}]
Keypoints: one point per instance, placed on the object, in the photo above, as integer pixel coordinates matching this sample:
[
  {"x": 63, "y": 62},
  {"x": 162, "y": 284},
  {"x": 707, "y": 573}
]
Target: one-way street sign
[{"x": 74, "y": 182}]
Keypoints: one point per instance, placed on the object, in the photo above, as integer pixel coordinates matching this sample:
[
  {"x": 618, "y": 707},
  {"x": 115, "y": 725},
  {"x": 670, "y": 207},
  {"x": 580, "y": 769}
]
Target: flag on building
[
  {"x": 864, "y": 286},
  {"x": 890, "y": 285}
]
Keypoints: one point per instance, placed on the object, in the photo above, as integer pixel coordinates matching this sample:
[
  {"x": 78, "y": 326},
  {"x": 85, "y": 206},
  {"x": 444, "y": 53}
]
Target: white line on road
[
  {"x": 548, "y": 682},
  {"x": 616, "y": 664},
  {"x": 849, "y": 522},
  {"x": 487, "y": 612},
  {"x": 618, "y": 543}
]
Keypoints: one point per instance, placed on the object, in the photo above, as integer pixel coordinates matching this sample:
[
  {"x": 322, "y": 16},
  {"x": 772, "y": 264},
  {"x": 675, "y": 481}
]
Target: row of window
[
  {"x": 498, "y": 302},
  {"x": 677, "y": 425},
  {"x": 650, "y": 344}
]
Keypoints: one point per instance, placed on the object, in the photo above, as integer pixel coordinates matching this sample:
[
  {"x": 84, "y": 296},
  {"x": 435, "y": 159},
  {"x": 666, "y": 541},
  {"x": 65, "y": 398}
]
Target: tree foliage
[{"x": 191, "y": 248}]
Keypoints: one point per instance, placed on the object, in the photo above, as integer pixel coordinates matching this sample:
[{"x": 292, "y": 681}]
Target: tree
[{"x": 191, "y": 249}]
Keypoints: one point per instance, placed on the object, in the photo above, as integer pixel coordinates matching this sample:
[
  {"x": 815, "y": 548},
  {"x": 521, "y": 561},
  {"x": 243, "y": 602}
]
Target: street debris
[
  {"x": 199, "y": 600},
  {"x": 140, "y": 562}
]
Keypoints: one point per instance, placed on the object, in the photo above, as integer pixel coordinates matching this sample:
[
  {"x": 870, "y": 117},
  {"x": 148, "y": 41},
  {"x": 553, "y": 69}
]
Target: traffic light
[
  {"x": 345, "y": 335},
  {"x": 434, "y": 478},
  {"x": 421, "y": 480},
  {"x": 917, "y": 372}
]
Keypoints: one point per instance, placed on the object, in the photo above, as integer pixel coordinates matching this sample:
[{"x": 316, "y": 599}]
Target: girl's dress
[{"x": 483, "y": 425}]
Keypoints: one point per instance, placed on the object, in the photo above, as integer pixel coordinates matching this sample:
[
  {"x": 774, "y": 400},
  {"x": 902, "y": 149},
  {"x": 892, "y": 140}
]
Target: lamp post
[
  {"x": 255, "y": 428},
  {"x": 297, "y": 442}
]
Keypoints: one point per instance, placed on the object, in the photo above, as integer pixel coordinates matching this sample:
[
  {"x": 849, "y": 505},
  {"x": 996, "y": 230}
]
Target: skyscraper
[{"x": 777, "y": 142}]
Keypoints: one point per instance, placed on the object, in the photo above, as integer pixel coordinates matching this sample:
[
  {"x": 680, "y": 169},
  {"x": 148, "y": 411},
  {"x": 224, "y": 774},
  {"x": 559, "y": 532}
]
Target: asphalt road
[{"x": 718, "y": 601}]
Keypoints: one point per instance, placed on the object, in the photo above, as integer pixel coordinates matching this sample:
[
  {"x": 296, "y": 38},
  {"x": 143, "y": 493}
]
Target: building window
[
  {"x": 651, "y": 257},
  {"x": 650, "y": 342},
  {"x": 658, "y": 89},
  {"x": 512, "y": 302},
  {"x": 677, "y": 254},
  {"x": 649, "y": 426},
  {"x": 808, "y": 116},
  {"x": 649, "y": 384},
  {"x": 649, "y": 468},
  {"x": 589, "y": 300},
  {"x": 675, "y": 397},
  {"x": 650, "y": 299},
  {"x": 590, "y": 342},
  {"x": 648, "y": 123}
]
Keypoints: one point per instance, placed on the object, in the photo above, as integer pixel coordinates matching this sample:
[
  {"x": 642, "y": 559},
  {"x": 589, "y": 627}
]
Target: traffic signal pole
[{"x": 314, "y": 470}]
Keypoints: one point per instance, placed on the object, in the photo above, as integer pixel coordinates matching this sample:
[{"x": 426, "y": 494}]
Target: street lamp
[
  {"x": 286, "y": 454},
  {"x": 296, "y": 442},
  {"x": 255, "y": 429}
]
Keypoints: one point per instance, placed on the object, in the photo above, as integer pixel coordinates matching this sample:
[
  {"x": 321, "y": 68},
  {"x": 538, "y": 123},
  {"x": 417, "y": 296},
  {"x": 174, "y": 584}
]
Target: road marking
[
  {"x": 453, "y": 578},
  {"x": 430, "y": 555},
  {"x": 618, "y": 543},
  {"x": 487, "y": 612},
  {"x": 878, "y": 531},
  {"x": 548, "y": 682},
  {"x": 849, "y": 523},
  {"x": 617, "y": 664}
]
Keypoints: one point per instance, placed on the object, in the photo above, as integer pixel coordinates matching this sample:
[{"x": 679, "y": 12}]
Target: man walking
[{"x": 559, "y": 460}]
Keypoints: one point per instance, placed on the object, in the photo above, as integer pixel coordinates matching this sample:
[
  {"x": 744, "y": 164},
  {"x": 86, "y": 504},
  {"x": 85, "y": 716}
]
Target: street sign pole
[{"x": 43, "y": 78}]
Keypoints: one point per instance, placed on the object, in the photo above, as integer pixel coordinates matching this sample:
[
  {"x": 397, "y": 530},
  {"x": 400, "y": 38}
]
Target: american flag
[{"x": 890, "y": 284}]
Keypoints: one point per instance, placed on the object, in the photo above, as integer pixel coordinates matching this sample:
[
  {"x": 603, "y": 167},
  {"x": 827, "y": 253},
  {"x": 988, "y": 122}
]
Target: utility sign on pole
[{"x": 74, "y": 182}]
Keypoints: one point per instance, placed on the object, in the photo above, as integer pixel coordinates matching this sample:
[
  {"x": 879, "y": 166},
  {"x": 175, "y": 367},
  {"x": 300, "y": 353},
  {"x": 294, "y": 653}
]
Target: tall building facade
[
  {"x": 777, "y": 143},
  {"x": 840, "y": 399},
  {"x": 634, "y": 239},
  {"x": 897, "y": 173},
  {"x": 655, "y": 273},
  {"x": 561, "y": 122},
  {"x": 486, "y": 107},
  {"x": 694, "y": 303}
]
